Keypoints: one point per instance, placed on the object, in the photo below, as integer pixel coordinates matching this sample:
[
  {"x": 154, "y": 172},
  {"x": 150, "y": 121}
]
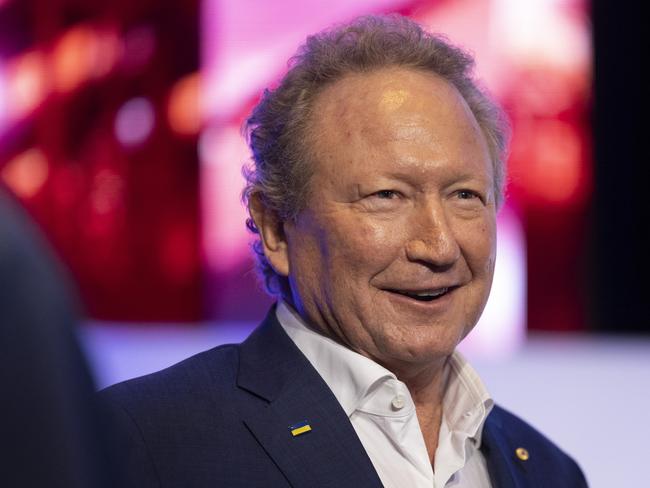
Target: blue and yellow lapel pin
[{"x": 300, "y": 428}]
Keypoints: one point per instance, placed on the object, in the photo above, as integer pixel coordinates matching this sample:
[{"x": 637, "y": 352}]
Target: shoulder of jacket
[
  {"x": 208, "y": 370},
  {"x": 544, "y": 452}
]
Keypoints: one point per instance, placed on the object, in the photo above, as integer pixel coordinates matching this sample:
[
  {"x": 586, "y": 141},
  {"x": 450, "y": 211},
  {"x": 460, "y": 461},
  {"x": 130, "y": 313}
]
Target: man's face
[{"x": 394, "y": 254}]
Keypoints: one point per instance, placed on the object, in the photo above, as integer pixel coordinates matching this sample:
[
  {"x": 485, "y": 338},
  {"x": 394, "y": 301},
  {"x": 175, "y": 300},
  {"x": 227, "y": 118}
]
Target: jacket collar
[{"x": 274, "y": 370}]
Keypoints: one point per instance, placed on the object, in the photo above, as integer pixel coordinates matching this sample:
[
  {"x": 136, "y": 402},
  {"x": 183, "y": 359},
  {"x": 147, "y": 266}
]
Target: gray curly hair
[{"x": 281, "y": 161}]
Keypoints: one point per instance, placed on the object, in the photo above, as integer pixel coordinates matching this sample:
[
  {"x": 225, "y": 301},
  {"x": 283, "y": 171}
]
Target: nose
[{"x": 433, "y": 241}]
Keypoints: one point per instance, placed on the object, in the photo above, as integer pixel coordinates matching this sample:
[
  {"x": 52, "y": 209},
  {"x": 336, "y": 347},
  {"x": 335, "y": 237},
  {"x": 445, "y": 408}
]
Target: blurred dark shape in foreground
[{"x": 50, "y": 429}]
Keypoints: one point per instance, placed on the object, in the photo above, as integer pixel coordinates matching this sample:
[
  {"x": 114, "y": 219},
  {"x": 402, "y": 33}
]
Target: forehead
[
  {"x": 386, "y": 95},
  {"x": 393, "y": 114}
]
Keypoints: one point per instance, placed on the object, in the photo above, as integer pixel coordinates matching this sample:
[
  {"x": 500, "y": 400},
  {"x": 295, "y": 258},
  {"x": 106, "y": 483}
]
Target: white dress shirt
[{"x": 383, "y": 415}]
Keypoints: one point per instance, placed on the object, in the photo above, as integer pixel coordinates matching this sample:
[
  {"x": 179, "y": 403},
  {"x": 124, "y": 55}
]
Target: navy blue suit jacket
[{"x": 222, "y": 418}]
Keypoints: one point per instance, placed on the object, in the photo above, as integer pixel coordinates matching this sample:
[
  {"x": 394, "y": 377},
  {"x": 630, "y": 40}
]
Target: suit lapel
[
  {"x": 276, "y": 372},
  {"x": 506, "y": 471}
]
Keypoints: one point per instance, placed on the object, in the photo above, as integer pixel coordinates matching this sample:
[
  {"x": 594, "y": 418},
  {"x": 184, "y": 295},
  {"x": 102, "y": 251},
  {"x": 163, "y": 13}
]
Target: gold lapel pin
[{"x": 522, "y": 453}]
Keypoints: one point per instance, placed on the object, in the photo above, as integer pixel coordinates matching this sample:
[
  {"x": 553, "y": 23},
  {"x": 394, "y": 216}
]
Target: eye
[
  {"x": 467, "y": 194},
  {"x": 384, "y": 201},
  {"x": 386, "y": 194}
]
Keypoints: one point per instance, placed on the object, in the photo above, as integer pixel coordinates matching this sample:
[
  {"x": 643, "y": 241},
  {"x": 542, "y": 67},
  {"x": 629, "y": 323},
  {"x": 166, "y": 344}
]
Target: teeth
[
  {"x": 431, "y": 293},
  {"x": 425, "y": 294}
]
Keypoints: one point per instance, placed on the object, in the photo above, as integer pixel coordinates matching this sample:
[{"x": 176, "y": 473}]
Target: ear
[{"x": 271, "y": 231}]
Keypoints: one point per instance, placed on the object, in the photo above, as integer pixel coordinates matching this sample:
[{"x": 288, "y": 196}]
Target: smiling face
[{"x": 393, "y": 255}]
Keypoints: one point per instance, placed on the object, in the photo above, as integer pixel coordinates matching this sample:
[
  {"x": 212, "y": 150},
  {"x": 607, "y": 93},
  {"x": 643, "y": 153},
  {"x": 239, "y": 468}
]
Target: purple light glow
[{"x": 134, "y": 122}]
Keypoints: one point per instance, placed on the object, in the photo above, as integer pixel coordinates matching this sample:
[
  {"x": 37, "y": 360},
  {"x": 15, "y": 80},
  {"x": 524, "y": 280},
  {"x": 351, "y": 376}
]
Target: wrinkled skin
[{"x": 401, "y": 200}]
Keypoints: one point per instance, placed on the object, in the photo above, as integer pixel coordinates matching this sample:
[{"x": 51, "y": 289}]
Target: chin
[{"x": 420, "y": 351}]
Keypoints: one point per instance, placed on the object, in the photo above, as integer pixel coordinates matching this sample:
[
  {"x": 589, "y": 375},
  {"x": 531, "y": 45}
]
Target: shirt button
[{"x": 398, "y": 402}]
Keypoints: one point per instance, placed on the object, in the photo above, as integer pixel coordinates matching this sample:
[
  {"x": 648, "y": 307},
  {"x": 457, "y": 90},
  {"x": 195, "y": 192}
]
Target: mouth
[{"x": 424, "y": 295}]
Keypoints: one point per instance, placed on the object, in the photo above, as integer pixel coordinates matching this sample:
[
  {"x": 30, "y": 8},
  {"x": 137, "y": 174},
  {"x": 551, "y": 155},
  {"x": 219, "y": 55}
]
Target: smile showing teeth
[{"x": 423, "y": 295}]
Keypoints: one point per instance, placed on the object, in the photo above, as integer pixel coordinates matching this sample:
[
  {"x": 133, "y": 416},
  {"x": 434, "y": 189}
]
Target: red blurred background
[{"x": 98, "y": 140}]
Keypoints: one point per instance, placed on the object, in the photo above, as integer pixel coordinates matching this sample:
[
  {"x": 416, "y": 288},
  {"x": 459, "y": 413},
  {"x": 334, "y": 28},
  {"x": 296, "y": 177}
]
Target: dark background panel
[{"x": 621, "y": 215}]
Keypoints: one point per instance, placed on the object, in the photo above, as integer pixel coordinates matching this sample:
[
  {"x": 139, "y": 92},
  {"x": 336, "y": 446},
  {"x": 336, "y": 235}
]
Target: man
[{"x": 378, "y": 173}]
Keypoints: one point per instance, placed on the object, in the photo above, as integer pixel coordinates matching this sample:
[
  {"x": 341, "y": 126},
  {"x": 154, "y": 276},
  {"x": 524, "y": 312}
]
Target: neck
[{"x": 427, "y": 388}]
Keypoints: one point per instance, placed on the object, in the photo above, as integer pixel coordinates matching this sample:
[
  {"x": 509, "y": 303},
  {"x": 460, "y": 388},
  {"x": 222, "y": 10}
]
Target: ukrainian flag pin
[{"x": 300, "y": 428}]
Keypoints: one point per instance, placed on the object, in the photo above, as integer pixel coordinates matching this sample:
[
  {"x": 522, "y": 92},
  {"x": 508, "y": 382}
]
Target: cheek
[
  {"x": 486, "y": 251},
  {"x": 307, "y": 251},
  {"x": 478, "y": 242},
  {"x": 304, "y": 265},
  {"x": 365, "y": 245}
]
